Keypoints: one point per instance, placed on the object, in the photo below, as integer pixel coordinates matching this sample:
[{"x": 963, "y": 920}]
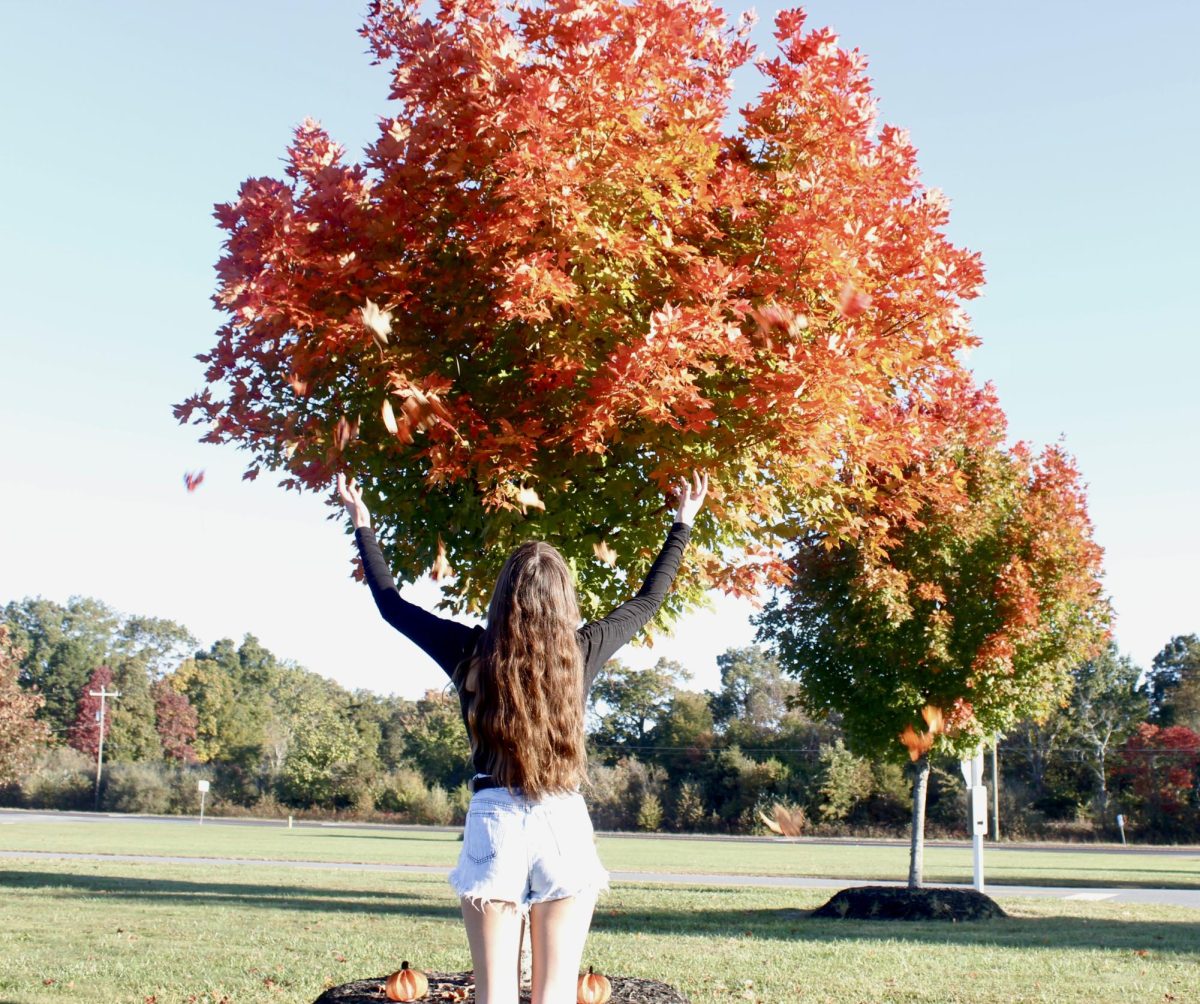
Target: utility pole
[{"x": 103, "y": 695}]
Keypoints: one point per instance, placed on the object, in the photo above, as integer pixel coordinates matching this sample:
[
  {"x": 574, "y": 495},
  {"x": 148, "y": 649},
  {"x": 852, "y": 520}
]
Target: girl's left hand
[{"x": 691, "y": 497}]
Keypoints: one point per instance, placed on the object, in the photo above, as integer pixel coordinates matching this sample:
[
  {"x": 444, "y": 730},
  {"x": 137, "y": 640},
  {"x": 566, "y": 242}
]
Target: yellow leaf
[
  {"x": 389, "y": 416},
  {"x": 528, "y": 497},
  {"x": 605, "y": 553}
]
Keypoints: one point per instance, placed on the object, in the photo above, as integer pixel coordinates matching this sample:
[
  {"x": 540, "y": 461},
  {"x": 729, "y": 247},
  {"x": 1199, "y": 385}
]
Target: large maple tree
[{"x": 555, "y": 281}]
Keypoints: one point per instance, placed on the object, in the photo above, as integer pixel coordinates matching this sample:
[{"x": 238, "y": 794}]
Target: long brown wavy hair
[{"x": 525, "y": 681}]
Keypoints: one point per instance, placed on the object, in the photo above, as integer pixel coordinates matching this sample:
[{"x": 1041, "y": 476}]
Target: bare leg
[
  {"x": 494, "y": 934},
  {"x": 558, "y": 929}
]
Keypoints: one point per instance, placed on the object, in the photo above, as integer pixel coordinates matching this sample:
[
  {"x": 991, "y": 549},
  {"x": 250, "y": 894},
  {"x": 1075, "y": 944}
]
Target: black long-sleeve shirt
[{"x": 449, "y": 643}]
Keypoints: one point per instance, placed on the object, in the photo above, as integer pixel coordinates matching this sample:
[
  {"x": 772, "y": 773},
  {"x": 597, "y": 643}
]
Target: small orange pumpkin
[
  {"x": 406, "y": 984},
  {"x": 593, "y": 988}
]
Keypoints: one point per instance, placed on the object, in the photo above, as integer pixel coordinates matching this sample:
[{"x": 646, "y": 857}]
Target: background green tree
[
  {"x": 22, "y": 736},
  {"x": 63, "y": 646},
  {"x": 630, "y": 703},
  {"x": 1173, "y": 683},
  {"x": 1106, "y": 706},
  {"x": 973, "y": 622}
]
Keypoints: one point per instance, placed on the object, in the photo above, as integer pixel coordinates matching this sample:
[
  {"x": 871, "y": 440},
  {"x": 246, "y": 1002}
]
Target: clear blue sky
[{"x": 1063, "y": 133}]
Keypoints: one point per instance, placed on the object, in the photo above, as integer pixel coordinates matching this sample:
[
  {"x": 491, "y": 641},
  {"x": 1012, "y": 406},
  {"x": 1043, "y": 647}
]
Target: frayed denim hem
[
  {"x": 592, "y": 891},
  {"x": 478, "y": 895}
]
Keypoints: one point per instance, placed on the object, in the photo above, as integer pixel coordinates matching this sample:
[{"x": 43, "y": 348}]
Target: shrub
[
  {"x": 615, "y": 794},
  {"x": 689, "y": 814},
  {"x": 650, "y": 813},
  {"x": 460, "y": 800},
  {"x": 61, "y": 778},
  {"x": 137, "y": 787},
  {"x": 846, "y": 780},
  {"x": 435, "y": 808},
  {"x": 402, "y": 790}
]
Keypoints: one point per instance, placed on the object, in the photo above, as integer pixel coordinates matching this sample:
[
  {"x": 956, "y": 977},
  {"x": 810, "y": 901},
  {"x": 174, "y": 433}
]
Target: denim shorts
[{"x": 525, "y": 852}]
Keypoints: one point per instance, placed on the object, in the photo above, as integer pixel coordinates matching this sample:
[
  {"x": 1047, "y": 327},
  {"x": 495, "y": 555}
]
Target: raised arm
[
  {"x": 602, "y": 638},
  {"x": 447, "y": 642}
]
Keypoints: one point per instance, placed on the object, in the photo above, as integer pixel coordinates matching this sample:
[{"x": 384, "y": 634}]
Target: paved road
[
  {"x": 39, "y": 816},
  {"x": 1172, "y": 897}
]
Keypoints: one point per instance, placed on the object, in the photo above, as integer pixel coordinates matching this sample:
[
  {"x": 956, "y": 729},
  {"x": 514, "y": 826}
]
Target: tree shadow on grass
[
  {"x": 787, "y": 924},
  {"x": 219, "y": 893},
  {"x": 709, "y": 914}
]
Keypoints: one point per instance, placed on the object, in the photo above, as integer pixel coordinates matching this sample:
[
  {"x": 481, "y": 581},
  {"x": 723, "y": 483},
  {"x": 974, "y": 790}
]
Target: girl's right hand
[
  {"x": 353, "y": 501},
  {"x": 691, "y": 498}
]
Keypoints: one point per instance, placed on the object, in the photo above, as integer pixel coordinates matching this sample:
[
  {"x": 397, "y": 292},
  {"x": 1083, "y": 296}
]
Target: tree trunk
[
  {"x": 1102, "y": 794},
  {"x": 916, "y": 859}
]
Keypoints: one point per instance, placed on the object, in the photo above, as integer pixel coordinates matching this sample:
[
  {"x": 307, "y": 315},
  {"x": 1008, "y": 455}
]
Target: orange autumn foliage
[{"x": 553, "y": 277}]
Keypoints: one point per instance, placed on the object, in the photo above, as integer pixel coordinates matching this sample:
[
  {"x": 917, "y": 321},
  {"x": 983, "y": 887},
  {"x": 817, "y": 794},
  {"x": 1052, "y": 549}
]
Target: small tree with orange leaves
[{"x": 970, "y": 622}]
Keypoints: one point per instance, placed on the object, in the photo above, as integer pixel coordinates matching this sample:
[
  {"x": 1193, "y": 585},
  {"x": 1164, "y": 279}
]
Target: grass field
[
  {"x": 199, "y": 933},
  {"x": 942, "y": 864}
]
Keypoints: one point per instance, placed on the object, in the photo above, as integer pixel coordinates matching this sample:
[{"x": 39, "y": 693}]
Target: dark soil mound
[
  {"x": 878, "y": 902},
  {"x": 446, "y": 987}
]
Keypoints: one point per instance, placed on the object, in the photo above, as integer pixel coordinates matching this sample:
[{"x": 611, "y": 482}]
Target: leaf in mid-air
[
  {"x": 528, "y": 498},
  {"x": 378, "y": 322},
  {"x": 193, "y": 479},
  {"x": 441, "y": 565},
  {"x": 605, "y": 553},
  {"x": 389, "y": 416}
]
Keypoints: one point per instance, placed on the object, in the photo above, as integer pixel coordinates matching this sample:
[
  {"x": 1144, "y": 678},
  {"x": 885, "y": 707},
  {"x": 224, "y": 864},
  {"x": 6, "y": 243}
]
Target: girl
[{"x": 522, "y": 681}]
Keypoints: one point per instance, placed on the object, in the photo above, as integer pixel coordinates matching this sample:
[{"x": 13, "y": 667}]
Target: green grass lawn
[
  {"x": 430, "y": 847},
  {"x": 118, "y": 932}
]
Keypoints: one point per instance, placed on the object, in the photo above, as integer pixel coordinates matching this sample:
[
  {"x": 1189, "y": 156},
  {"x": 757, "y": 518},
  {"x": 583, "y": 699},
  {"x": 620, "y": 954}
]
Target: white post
[
  {"x": 977, "y": 805},
  {"x": 203, "y": 786},
  {"x": 1121, "y": 827}
]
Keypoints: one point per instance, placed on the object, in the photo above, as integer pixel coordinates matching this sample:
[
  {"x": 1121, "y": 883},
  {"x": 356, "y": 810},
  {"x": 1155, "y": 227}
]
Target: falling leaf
[
  {"x": 605, "y": 553},
  {"x": 193, "y": 479},
  {"x": 441, "y": 566},
  {"x": 389, "y": 416},
  {"x": 378, "y": 322},
  {"x": 345, "y": 432},
  {"x": 933, "y": 718},
  {"x": 771, "y": 825},
  {"x": 852, "y": 301},
  {"x": 917, "y": 743},
  {"x": 527, "y": 497}
]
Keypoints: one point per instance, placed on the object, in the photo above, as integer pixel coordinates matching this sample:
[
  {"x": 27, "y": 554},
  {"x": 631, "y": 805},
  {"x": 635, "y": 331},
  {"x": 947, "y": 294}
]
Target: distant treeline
[{"x": 274, "y": 738}]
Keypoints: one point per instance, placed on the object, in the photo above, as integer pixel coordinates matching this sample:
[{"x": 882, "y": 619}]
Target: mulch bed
[
  {"x": 880, "y": 902},
  {"x": 460, "y": 987}
]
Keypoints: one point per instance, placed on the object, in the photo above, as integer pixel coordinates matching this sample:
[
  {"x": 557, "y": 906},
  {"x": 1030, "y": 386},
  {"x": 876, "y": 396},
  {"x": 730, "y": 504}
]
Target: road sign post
[
  {"x": 203, "y": 787},
  {"x": 977, "y": 805}
]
